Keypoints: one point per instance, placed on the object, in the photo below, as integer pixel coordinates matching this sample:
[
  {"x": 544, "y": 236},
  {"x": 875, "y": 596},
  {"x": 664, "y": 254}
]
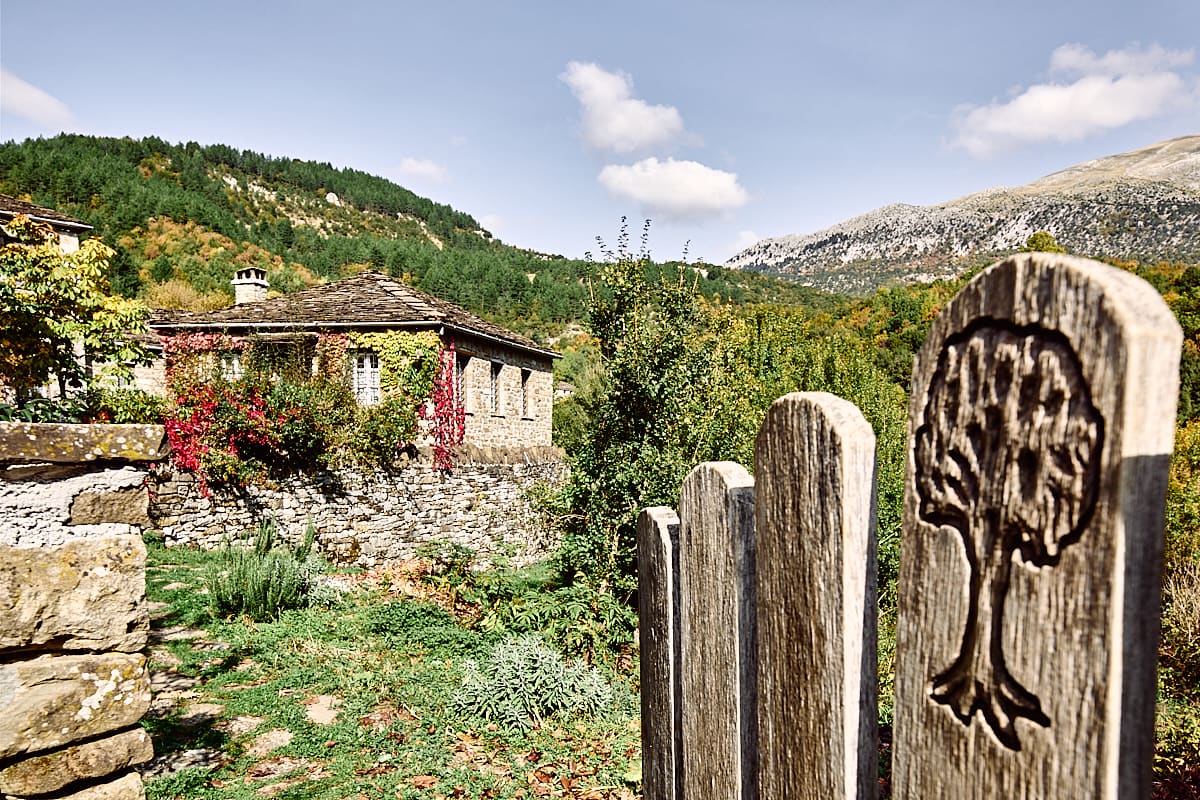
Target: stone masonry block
[
  {"x": 49, "y": 772},
  {"x": 127, "y": 506},
  {"x": 75, "y": 444},
  {"x": 88, "y": 594},
  {"x": 126, "y": 787},
  {"x": 51, "y": 701}
]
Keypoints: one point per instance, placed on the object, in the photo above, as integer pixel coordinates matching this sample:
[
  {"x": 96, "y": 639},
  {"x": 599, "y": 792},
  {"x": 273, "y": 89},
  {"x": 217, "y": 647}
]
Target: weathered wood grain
[
  {"x": 716, "y": 590},
  {"x": 815, "y": 550},
  {"x": 658, "y": 635},
  {"x": 1040, "y": 429}
]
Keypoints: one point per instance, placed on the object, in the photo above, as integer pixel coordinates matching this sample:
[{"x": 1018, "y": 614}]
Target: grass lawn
[
  {"x": 363, "y": 698},
  {"x": 355, "y": 700}
]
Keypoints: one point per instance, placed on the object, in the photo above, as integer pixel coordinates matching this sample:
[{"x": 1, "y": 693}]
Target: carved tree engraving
[{"x": 1007, "y": 454}]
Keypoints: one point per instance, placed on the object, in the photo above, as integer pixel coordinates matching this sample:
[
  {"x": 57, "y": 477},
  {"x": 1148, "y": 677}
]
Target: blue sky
[{"x": 549, "y": 120}]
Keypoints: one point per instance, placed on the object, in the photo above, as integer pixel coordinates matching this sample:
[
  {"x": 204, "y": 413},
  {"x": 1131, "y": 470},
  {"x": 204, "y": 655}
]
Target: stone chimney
[{"x": 249, "y": 285}]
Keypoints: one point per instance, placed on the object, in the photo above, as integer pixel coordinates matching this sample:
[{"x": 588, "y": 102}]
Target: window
[
  {"x": 231, "y": 366},
  {"x": 460, "y": 379},
  {"x": 495, "y": 387},
  {"x": 526, "y": 400},
  {"x": 366, "y": 377}
]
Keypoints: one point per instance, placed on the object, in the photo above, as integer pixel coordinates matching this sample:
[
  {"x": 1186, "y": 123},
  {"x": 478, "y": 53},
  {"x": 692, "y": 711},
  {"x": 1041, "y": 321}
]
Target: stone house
[
  {"x": 68, "y": 229},
  {"x": 506, "y": 379}
]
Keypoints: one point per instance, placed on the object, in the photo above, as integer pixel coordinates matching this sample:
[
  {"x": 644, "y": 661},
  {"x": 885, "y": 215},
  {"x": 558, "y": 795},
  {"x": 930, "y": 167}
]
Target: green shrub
[
  {"x": 449, "y": 561},
  {"x": 579, "y": 619},
  {"x": 418, "y": 623},
  {"x": 126, "y": 406},
  {"x": 1180, "y": 650},
  {"x": 1177, "y": 737},
  {"x": 263, "y": 581},
  {"x": 42, "y": 409},
  {"x": 382, "y": 431},
  {"x": 523, "y": 682}
]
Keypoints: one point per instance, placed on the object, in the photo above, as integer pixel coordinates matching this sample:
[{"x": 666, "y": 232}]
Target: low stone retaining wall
[
  {"x": 73, "y": 679},
  {"x": 73, "y": 616},
  {"x": 59, "y": 482},
  {"x": 370, "y": 518}
]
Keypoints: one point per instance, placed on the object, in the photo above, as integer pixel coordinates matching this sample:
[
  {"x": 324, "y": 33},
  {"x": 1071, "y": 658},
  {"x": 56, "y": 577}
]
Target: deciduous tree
[{"x": 56, "y": 307}]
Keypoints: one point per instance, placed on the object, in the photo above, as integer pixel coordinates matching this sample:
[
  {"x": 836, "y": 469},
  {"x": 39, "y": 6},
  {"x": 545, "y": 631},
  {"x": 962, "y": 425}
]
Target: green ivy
[{"x": 408, "y": 362}]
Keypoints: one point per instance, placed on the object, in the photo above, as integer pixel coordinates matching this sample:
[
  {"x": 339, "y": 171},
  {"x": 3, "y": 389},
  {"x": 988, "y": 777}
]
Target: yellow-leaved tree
[{"x": 57, "y": 313}]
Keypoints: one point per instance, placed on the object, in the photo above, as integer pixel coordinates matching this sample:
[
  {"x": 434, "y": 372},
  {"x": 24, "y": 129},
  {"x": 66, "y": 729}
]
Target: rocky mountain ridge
[{"x": 1142, "y": 205}]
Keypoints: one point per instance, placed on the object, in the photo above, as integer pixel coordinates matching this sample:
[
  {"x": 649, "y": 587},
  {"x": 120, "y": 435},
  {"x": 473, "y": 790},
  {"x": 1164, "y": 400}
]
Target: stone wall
[
  {"x": 73, "y": 614},
  {"x": 59, "y": 482},
  {"x": 370, "y": 518},
  {"x": 73, "y": 679},
  {"x": 47, "y": 505},
  {"x": 508, "y": 396}
]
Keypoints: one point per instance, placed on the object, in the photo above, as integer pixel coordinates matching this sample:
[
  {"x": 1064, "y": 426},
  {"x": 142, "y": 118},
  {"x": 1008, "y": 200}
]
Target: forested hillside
[{"x": 182, "y": 217}]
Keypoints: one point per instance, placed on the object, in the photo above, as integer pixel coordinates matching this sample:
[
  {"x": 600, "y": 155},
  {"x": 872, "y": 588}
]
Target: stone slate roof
[
  {"x": 11, "y": 206},
  {"x": 363, "y": 301}
]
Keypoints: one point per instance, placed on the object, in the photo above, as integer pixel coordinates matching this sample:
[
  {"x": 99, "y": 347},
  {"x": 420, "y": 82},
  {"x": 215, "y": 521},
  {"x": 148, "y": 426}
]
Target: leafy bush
[
  {"x": 580, "y": 619},
  {"x": 41, "y": 409},
  {"x": 1180, "y": 649},
  {"x": 523, "y": 682},
  {"x": 381, "y": 431},
  {"x": 126, "y": 406},
  {"x": 263, "y": 581},
  {"x": 419, "y": 623},
  {"x": 449, "y": 562},
  {"x": 1177, "y": 738}
]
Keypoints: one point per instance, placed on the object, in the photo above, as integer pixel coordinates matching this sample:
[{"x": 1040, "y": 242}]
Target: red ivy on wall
[{"x": 445, "y": 410}]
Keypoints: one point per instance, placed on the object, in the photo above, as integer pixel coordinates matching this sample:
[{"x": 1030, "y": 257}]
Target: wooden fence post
[
  {"x": 717, "y": 674},
  {"x": 1040, "y": 430},
  {"x": 658, "y": 635},
  {"x": 817, "y": 659}
]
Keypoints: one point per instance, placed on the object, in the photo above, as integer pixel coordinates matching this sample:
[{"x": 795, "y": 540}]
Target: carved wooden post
[
  {"x": 815, "y": 538},
  {"x": 658, "y": 634},
  {"x": 716, "y": 582},
  {"x": 1040, "y": 430}
]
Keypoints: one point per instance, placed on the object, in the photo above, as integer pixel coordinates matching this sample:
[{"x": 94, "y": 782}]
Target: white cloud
[
  {"x": 492, "y": 223},
  {"x": 1103, "y": 92},
  {"x": 743, "y": 240},
  {"x": 22, "y": 99},
  {"x": 675, "y": 190},
  {"x": 613, "y": 119},
  {"x": 422, "y": 169},
  {"x": 1079, "y": 60}
]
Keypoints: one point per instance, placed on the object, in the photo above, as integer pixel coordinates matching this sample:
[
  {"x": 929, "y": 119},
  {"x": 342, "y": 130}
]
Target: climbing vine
[
  {"x": 245, "y": 429},
  {"x": 330, "y": 360},
  {"x": 445, "y": 410},
  {"x": 289, "y": 407},
  {"x": 408, "y": 362}
]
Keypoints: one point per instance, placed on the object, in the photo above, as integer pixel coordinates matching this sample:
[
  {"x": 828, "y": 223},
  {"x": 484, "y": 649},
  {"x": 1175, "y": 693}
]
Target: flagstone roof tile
[
  {"x": 366, "y": 300},
  {"x": 11, "y": 206}
]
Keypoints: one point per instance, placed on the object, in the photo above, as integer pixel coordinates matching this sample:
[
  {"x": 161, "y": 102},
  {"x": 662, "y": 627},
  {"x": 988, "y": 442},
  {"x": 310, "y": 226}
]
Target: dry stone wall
[
  {"x": 46, "y": 505},
  {"x": 508, "y": 396},
  {"x": 73, "y": 678},
  {"x": 73, "y": 614},
  {"x": 371, "y": 518}
]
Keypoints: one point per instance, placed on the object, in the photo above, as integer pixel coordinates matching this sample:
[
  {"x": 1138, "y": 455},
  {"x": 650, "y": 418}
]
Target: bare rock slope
[{"x": 1141, "y": 205}]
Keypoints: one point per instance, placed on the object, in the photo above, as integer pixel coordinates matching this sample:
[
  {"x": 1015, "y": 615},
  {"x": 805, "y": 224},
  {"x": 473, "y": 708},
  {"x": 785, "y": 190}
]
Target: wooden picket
[
  {"x": 716, "y": 632},
  {"x": 1040, "y": 431},
  {"x": 815, "y": 542},
  {"x": 658, "y": 624}
]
